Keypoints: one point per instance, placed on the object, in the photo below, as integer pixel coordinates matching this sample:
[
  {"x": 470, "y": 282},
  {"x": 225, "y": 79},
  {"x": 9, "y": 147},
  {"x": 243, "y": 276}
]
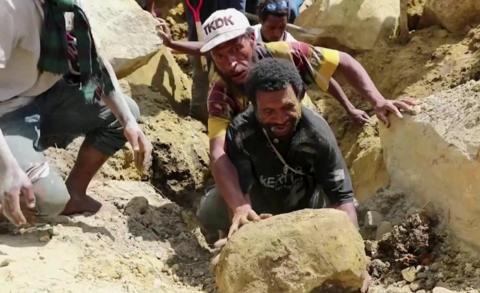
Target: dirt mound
[{"x": 138, "y": 242}]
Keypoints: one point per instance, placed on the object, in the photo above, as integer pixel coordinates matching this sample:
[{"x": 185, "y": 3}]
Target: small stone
[
  {"x": 373, "y": 219},
  {"x": 137, "y": 205},
  {"x": 44, "y": 238},
  {"x": 416, "y": 285},
  {"x": 371, "y": 247},
  {"x": 440, "y": 276},
  {"x": 441, "y": 290},
  {"x": 384, "y": 228},
  {"x": 5, "y": 262},
  {"x": 422, "y": 275},
  {"x": 468, "y": 269},
  {"x": 429, "y": 284},
  {"x": 409, "y": 274}
]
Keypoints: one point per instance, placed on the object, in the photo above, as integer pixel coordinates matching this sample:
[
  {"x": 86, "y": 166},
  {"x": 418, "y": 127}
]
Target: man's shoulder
[
  {"x": 284, "y": 49},
  {"x": 317, "y": 127},
  {"x": 244, "y": 120}
]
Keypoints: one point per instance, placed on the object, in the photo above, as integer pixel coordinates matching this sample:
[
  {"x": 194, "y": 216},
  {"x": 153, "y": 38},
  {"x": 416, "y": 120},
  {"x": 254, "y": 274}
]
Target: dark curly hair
[
  {"x": 273, "y": 74},
  {"x": 263, "y": 14}
]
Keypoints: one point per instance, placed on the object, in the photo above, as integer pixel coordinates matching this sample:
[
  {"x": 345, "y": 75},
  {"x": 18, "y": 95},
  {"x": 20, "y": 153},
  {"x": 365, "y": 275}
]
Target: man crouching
[
  {"x": 53, "y": 88},
  {"x": 286, "y": 155}
]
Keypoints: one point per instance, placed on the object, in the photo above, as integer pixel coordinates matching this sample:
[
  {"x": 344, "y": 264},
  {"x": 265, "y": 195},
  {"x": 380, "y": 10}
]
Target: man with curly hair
[{"x": 286, "y": 154}]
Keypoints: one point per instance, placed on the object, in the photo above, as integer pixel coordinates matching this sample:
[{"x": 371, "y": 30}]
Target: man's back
[{"x": 19, "y": 54}]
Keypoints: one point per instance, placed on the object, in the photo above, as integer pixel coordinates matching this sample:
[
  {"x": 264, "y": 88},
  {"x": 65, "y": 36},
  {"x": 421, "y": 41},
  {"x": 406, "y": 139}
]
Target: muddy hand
[
  {"x": 359, "y": 116},
  {"x": 242, "y": 215},
  {"x": 142, "y": 148},
  {"x": 384, "y": 108},
  {"x": 19, "y": 189}
]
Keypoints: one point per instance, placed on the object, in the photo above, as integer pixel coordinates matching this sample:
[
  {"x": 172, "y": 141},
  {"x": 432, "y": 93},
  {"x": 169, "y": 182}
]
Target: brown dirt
[
  {"x": 159, "y": 247},
  {"x": 416, "y": 242}
]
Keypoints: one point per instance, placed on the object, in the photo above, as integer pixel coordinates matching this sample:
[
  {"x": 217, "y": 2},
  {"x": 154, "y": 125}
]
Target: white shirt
[
  {"x": 287, "y": 37},
  {"x": 20, "y": 80}
]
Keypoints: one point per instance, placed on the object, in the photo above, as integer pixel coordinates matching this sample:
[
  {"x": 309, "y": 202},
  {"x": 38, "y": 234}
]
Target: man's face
[
  {"x": 234, "y": 58},
  {"x": 278, "y": 111},
  {"x": 273, "y": 28}
]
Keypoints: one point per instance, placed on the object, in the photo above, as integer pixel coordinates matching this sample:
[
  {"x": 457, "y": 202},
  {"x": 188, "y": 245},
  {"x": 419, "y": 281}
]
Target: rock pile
[{"x": 303, "y": 251}]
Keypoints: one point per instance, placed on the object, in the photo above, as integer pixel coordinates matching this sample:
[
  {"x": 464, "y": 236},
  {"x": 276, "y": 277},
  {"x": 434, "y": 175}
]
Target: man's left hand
[
  {"x": 142, "y": 148},
  {"x": 358, "y": 116},
  {"x": 385, "y": 107}
]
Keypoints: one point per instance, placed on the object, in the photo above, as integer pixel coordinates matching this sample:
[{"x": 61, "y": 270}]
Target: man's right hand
[
  {"x": 242, "y": 215},
  {"x": 163, "y": 32},
  {"x": 19, "y": 187}
]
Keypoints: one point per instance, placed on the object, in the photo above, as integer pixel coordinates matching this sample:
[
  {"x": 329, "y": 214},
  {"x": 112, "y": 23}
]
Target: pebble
[
  {"x": 441, "y": 290},
  {"x": 373, "y": 218},
  {"x": 5, "y": 262},
  {"x": 409, "y": 274},
  {"x": 416, "y": 285},
  {"x": 44, "y": 238}
]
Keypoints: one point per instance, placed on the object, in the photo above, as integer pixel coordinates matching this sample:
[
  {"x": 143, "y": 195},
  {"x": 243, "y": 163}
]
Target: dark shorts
[{"x": 55, "y": 118}]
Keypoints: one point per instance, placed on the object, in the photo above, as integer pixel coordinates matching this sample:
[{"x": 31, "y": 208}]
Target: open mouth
[{"x": 239, "y": 76}]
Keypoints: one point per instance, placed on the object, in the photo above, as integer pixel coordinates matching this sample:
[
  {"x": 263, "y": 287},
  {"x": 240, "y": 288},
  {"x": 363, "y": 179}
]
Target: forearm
[
  {"x": 349, "y": 208},
  {"x": 7, "y": 162},
  {"x": 115, "y": 100},
  {"x": 227, "y": 181},
  {"x": 337, "y": 92},
  {"x": 6, "y": 157},
  {"x": 186, "y": 47},
  {"x": 358, "y": 77}
]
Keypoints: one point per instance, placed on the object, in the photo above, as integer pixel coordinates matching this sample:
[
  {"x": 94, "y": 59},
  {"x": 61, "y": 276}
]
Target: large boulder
[
  {"x": 162, "y": 74},
  {"x": 434, "y": 156},
  {"x": 303, "y": 251},
  {"x": 355, "y": 24},
  {"x": 454, "y": 15},
  {"x": 123, "y": 32}
]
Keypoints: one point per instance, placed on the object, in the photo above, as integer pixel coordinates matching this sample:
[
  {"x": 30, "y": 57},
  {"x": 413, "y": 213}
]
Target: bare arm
[
  {"x": 337, "y": 92},
  {"x": 225, "y": 174},
  {"x": 116, "y": 102},
  {"x": 358, "y": 77},
  {"x": 349, "y": 208},
  {"x": 14, "y": 183},
  {"x": 226, "y": 178},
  {"x": 186, "y": 47}
]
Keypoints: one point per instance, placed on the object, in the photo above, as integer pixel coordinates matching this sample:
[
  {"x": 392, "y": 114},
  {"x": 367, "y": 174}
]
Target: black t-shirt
[{"x": 313, "y": 151}]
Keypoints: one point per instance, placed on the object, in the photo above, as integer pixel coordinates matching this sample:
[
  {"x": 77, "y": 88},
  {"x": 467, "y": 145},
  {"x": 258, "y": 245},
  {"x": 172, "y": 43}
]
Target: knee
[
  {"x": 213, "y": 212},
  {"x": 51, "y": 196}
]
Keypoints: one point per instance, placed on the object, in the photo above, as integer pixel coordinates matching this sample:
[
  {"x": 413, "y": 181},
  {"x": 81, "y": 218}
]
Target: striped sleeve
[
  {"x": 220, "y": 109},
  {"x": 323, "y": 63},
  {"x": 315, "y": 64}
]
